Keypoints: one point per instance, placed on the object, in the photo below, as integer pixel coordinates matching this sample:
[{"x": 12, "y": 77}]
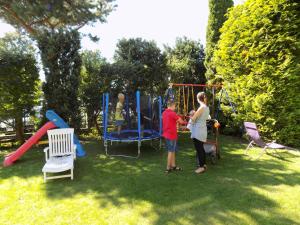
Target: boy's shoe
[
  {"x": 167, "y": 171},
  {"x": 177, "y": 168}
]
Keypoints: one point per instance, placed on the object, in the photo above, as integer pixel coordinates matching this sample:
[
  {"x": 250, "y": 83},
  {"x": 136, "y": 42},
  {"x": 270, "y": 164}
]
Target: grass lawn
[{"x": 114, "y": 190}]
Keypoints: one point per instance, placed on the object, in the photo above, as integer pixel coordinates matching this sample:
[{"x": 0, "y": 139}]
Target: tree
[
  {"x": 36, "y": 16},
  {"x": 186, "y": 61},
  {"x": 258, "y": 59},
  {"x": 19, "y": 80},
  {"x": 216, "y": 18},
  {"x": 96, "y": 78},
  {"x": 145, "y": 65},
  {"x": 54, "y": 25},
  {"x": 62, "y": 63}
]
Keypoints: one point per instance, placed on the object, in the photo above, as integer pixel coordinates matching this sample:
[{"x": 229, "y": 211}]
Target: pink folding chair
[{"x": 253, "y": 134}]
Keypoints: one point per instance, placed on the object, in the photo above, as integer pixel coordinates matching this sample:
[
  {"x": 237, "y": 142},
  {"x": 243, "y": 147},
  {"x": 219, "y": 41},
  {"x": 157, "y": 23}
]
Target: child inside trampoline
[{"x": 119, "y": 115}]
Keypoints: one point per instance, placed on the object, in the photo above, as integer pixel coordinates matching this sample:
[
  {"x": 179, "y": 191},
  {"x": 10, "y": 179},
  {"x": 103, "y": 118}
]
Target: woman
[{"x": 199, "y": 130}]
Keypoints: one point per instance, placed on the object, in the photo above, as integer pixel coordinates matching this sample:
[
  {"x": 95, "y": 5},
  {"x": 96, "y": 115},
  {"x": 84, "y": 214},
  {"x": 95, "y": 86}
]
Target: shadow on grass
[{"x": 221, "y": 195}]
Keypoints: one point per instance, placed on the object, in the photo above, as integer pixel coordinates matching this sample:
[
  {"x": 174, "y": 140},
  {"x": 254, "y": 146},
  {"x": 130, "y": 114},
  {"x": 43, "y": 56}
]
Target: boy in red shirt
[{"x": 170, "y": 120}]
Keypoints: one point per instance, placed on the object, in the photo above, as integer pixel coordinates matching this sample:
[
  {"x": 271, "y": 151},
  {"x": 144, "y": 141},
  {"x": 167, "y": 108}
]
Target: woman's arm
[{"x": 197, "y": 113}]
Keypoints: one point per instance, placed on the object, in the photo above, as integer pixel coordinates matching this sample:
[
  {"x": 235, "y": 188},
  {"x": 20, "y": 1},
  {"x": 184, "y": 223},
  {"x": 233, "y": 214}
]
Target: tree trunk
[
  {"x": 90, "y": 119},
  {"x": 97, "y": 125},
  {"x": 19, "y": 129}
]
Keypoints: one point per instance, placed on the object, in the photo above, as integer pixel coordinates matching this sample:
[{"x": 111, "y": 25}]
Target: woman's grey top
[{"x": 198, "y": 128}]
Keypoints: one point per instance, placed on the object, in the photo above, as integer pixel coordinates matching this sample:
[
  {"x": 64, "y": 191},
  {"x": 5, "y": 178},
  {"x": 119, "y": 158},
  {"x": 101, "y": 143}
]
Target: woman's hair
[{"x": 201, "y": 96}]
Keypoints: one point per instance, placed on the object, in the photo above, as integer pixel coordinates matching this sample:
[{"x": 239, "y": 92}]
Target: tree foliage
[
  {"x": 186, "y": 62},
  {"x": 143, "y": 64},
  {"x": 258, "y": 58},
  {"x": 34, "y": 16},
  {"x": 19, "y": 80},
  {"x": 216, "y": 18},
  {"x": 54, "y": 25},
  {"x": 95, "y": 79},
  {"x": 62, "y": 64}
]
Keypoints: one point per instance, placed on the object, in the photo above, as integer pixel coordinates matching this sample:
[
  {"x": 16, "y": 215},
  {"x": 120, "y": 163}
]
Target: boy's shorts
[
  {"x": 171, "y": 145},
  {"x": 119, "y": 122}
]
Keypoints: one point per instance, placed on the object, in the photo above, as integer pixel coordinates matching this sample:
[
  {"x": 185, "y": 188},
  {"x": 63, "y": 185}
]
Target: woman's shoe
[{"x": 200, "y": 170}]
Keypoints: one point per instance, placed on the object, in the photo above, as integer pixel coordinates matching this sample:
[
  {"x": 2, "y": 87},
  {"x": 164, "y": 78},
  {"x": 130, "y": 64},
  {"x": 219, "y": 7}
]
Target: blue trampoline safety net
[{"x": 137, "y": 118}]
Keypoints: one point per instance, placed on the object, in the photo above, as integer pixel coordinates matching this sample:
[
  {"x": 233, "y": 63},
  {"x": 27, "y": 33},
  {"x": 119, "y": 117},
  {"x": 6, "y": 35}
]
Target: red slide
[{"x": 27, "y": 145}]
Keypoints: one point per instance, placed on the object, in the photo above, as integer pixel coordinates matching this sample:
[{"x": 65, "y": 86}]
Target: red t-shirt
[{"x": 169, "y": 119}]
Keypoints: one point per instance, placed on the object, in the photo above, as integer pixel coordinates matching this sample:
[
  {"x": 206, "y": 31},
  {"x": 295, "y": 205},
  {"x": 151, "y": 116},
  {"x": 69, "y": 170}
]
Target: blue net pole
[
  {"x": 138, "y": 109},
  {"x": 106, "y": 115},
  {"x": 160, "y": 111},
  {"x": 103, "y": 110}
]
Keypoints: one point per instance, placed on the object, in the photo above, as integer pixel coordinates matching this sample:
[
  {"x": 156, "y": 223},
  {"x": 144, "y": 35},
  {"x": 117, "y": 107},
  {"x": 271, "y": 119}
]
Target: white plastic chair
[{"x": 60, "y": 154}]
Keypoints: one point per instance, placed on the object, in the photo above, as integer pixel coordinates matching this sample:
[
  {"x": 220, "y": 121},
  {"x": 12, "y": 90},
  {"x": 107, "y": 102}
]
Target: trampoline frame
[{"x": 139, "y": 139}]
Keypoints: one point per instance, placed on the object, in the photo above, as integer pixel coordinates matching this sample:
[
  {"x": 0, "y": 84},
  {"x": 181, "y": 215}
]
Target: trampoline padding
[{"x": 133, "y": 135}]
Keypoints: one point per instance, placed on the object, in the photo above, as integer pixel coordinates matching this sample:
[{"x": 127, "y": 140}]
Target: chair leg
[
  {"x": 264, "y": 150},
  {"x": 45, "y": 177},
  {"x": 249, "y": 146},
  {"x": 72, "y": 174}
]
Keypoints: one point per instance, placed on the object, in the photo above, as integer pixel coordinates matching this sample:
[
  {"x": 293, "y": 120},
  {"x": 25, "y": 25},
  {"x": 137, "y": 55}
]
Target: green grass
[{"x": 114, "y": 190}]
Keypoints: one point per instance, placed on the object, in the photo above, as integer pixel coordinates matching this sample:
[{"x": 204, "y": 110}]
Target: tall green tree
[
  {"x": 186, "y": 61},
  {"x": 216, "y": 18},
  {"x": 146, "y": 65},
  {"x": 19, "y": 80},
  {"x": 62, "y": 64},
  {"x": 96, "y": 78},
  {"x": 55, "y": 24},
  {"x": 258, "y": 58}
]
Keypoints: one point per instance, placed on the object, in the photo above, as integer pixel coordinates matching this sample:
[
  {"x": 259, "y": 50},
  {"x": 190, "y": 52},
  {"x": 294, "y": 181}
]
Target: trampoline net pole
[
  {"x": 103, "y": 112},
  {"x": 138, "y": 108},
  {"x": 106, "y": 115},
  {"x": 160, "y": 111}
]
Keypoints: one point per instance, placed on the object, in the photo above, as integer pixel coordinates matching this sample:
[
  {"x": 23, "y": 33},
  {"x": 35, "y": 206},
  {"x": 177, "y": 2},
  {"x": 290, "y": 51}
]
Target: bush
[{"x": 258, "y": 59}]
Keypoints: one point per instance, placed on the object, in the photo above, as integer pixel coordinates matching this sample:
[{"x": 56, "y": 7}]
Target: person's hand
[{"x": 192, "y": 112}]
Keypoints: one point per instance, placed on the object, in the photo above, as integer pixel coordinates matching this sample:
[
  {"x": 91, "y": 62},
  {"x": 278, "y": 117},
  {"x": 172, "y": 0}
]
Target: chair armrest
[{"x": 46, "y": 153}]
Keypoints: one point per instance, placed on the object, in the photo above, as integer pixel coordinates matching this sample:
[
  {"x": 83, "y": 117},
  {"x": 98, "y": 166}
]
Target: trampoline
[{"x": 142, "y": 121}]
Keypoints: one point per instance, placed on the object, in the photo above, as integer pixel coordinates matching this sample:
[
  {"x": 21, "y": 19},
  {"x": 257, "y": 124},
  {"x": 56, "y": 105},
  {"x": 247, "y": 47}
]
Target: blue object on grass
[{"x": 60, "y": 123}]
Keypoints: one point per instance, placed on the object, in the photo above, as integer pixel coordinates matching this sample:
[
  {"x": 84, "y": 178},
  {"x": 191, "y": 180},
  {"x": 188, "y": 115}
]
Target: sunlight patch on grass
[
  {"x": 236, "y": 217},
  {"x": 113, "y": 190},
  {"x": 26, "y": 202}
]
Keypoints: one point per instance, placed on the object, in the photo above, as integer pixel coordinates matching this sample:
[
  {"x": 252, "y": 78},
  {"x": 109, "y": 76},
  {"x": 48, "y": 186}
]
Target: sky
[{"x": 159, "y": 20}]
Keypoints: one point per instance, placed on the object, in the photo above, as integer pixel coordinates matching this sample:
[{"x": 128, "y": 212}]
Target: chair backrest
[
  {"x": 253, "y": 133},
  {"x": 61, "y": 142}
]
